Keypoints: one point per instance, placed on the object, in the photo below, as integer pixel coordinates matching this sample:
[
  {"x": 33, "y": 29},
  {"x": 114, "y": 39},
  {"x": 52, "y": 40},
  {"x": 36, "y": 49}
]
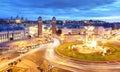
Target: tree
[{"x": 59, "y": 31}]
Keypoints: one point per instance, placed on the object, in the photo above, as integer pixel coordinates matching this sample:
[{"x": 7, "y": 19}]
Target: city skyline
[{"x": 107, "y": 10}]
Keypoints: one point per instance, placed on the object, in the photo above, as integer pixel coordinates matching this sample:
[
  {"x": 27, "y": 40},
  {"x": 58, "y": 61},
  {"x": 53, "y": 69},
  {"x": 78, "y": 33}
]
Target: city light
[
  {"x": 33, "y": 30},
  {"x": 18, "y": 21},
  {"x": 60, "y": 36}
]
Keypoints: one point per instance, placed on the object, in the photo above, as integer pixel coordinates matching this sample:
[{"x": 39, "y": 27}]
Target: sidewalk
[{"x": 29, "y": 65}]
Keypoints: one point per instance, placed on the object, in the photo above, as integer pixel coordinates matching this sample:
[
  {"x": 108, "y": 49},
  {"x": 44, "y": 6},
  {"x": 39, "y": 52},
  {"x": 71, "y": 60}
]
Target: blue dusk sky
[{"x": 106, "y": 10}]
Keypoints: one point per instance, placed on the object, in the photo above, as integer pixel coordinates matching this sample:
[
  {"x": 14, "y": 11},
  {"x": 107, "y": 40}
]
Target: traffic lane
[{"x": 50, "y": 56}]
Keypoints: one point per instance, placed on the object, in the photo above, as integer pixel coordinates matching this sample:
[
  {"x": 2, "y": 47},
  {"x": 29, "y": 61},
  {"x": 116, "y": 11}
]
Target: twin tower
[{"x": 40, "y": 23}]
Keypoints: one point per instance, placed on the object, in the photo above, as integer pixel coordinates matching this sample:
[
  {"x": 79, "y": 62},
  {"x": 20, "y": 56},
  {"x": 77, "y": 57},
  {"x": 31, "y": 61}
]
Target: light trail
[
  {"x": 4, "y": 65},
  {"x": 71, "y": 64}
]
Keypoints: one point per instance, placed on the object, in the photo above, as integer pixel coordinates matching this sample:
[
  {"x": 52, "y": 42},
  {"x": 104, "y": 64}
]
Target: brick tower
[
  {"x": 40, "y": 26},
  {"x": 53, "y": 26}
]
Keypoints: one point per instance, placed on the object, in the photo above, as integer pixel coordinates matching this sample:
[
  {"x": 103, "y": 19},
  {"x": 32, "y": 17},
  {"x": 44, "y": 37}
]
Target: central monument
[
  {"x": 90, "y": 40},
  {"x": 89, "y": 45}
]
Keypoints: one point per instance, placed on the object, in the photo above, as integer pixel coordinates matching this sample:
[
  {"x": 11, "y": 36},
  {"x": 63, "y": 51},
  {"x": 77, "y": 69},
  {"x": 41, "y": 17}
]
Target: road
[
  {"x": 30, "y": 60},
  {"x": 77, "y": 66},
  {"x": 3, "y": 65},
  {"x": 47, "y": 52}
]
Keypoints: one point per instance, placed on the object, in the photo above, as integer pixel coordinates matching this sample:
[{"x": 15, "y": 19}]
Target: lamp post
[
  {"x": 103, "y": 42},
  {"x": 62, "y": 38}
]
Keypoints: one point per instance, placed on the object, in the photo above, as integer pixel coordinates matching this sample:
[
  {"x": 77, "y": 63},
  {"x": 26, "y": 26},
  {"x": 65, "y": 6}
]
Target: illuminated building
[
  {"x": 11, "y": 35},
  {"x": 17, "y": 20},
  {"x": 97, "y": 31},
  {"x": 33, "y": 30}
]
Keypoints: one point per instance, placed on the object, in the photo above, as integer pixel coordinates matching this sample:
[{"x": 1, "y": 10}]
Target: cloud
[
  {"x": 80, "y": 4},
  {"x": 58, "y": 4},
  {"x": 62, "y": 9}
]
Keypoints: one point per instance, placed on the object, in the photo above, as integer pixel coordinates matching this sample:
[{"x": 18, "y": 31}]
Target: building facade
[
  {"x": 97, "y": 31},
  {"x": 12, "y": 35}
]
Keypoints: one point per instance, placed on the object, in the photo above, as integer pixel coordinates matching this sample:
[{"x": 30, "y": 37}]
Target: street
[{"x": 44, "y": 58}]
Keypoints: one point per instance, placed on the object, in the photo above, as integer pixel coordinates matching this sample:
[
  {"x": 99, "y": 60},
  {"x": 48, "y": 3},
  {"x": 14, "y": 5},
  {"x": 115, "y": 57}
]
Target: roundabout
[
  {"x": 89, "y": 55},
  {"x": 73, "y": 51},
  {"x": 77, "y": 65},
  {"x": 90, "y": 49}
]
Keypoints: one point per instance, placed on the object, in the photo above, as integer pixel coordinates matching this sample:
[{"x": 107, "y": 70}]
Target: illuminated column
[
  {"x": 40, "y": 26},
  {"x": 89, "y": 35},
  {"x": 53, "y": 26}
]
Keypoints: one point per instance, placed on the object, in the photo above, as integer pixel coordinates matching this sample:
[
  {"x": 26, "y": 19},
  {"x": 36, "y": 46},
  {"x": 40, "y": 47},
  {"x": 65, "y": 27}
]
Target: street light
[
  {"x": 62, "y": 37},
  {"x": 103, "y": 42}
]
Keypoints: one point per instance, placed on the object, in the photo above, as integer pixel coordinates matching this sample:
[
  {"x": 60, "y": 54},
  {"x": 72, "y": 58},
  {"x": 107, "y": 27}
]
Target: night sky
[{"x": 107, "y": 10}]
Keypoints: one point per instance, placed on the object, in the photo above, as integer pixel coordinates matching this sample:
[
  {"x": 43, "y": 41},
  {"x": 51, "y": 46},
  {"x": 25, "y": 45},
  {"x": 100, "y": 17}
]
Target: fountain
[
  {"x": 90, "y": 42},
  {"x": 89, "y": 49},
  {"x": 90, "y": 46}
]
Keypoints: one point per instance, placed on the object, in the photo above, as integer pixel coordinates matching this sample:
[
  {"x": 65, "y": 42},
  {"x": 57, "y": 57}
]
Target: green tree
[{"x": 59, "y": 31}]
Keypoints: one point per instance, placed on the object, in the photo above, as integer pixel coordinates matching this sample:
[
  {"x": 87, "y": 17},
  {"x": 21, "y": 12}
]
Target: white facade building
[
  {"x": 13, "y": 35},
  {"x": 98, "y": 30},
  {"x": 70, "y": 31},
  {"x": 101, "y": 31}
]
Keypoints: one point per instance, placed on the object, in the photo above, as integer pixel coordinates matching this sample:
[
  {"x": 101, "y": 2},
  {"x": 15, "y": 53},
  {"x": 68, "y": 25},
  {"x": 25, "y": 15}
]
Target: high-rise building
[
  {"x": 40, "y": 26},
  {"x": 53, "y": 25}
]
